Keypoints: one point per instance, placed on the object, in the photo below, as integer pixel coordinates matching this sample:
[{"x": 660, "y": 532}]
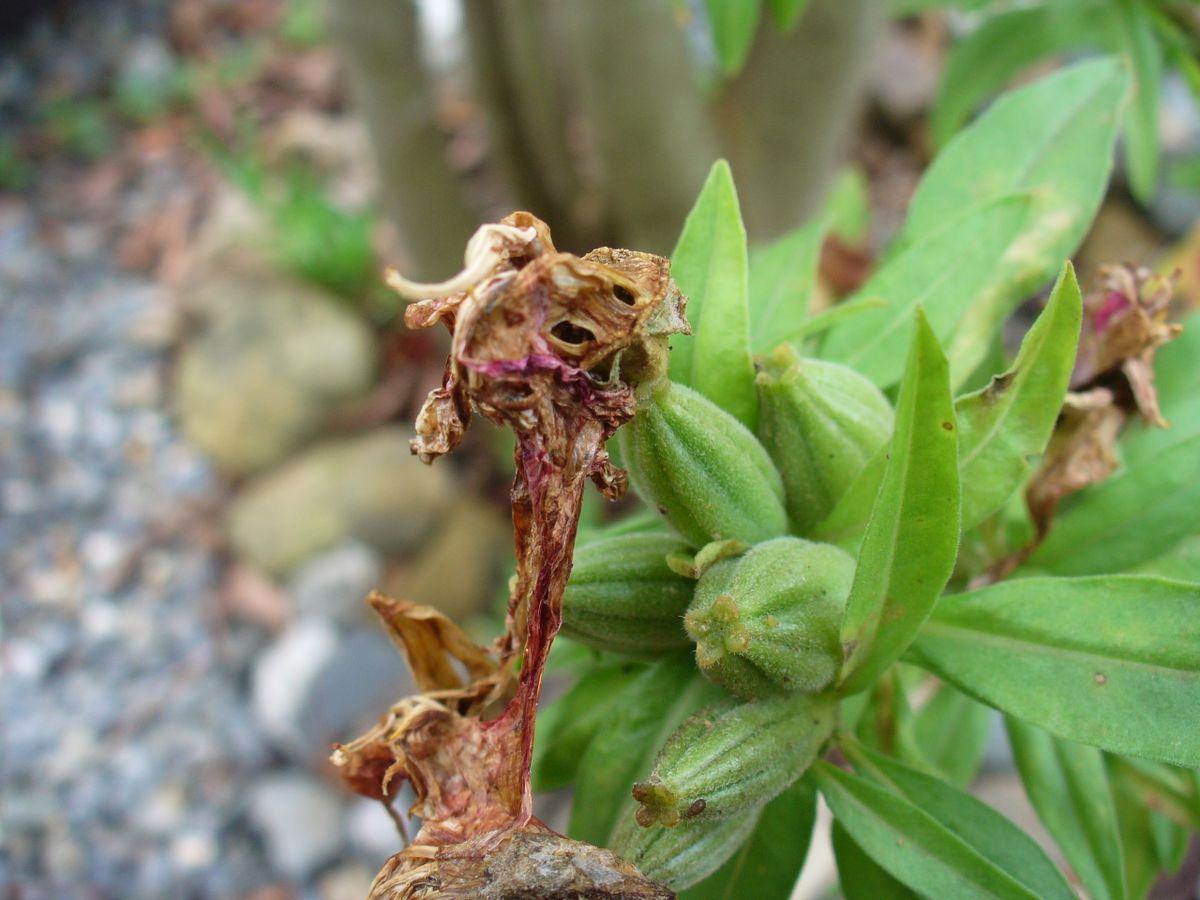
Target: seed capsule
[
  {"x": 725, "y": 761},
  {"x": 683, "y": 856},
  {"x": 768, "y": 622},
  {"x": 820, "y": 422},
  {"x": 623, "y": 596},
  {"x": 702, "y": 469}
]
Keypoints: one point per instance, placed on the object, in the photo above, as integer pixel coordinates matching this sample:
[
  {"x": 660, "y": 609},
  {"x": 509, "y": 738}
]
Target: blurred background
[{"x": 206, "y": 395}]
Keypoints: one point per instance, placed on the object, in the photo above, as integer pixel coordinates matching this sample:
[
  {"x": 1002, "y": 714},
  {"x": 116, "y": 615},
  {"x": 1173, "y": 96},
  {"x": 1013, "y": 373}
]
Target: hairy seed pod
[
  {"x": 767, "y": 622},
  {"x": 724, "y": 761},
  {"x": 683, "y": 856},
  {"x": 623, "y": 596},
  {"x": 702, "y": 469},
  {"x": 820, "y": 422}
]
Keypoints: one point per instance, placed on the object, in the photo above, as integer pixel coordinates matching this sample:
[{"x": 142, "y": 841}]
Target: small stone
[
  {"x": 337, "y": 582},
  {"x": 372, "y": 832},
  {"x": 458, "y": 572},
  {"x": 193, "y": 851},
  {"x": 367, "y": 487},
  {"x": 300, "y": 822},
  {"x": 348, "y": 882},
  {"x": 277, "y": 358},
  {"x": 284, "y": 676}
]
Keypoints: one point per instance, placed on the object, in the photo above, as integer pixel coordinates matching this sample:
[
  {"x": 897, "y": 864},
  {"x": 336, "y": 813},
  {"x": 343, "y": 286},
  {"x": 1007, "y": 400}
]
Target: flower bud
[
  {"x": 725, "y": 761},
  {"x": 820, "y": 422},
  {"x": 624, "y": 597},
  {"x": 768, "y": 622},
  {"x": 702, "y": 469}
]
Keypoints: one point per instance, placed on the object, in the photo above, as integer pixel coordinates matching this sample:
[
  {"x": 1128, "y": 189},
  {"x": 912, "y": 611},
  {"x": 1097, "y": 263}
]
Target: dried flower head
[{"x": 551, "y": 345}]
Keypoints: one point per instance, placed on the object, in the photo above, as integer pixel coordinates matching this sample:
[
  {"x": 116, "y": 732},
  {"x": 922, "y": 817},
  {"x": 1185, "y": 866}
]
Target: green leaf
[
  {"x": 1012, "y": 418},
  {"x": 710, "y": 266},
  {"x": 649, "y": 709},
  {"x": 833, "y": 315},
  {"x": 567, "y": 726},
  {"x": 1135, "y": 516},
  {"x": 1052, "y": 139},
  {"x": 733, "y": 25},
  {"x": 1108, "y": 661},
  {"x": 1137, "y": 841},
  {"x": 1068, "y": 786},
  {"x": 787, "y": 13},
  {"x": 1166, "y": 789},
  {"x": 769, "y": 863},
  {"x": 782, "y": 277},
  {"x": 1141, "y": 132},
  {"x": 848, "y": 206},
  {"x": 912, "y": 536},
  {"x": 987, "y": 59},
  {"x": 859, "y": 877},
  {"x": 987, "y": 832},
  {"x": 944, "y": 272},
  {"x": 909, "y": 843},
  {"x": 951, "y": 732}
]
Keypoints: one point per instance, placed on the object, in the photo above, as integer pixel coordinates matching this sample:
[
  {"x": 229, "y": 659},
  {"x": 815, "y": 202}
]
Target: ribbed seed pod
[
  {"x": 623, "y": 596},
  {"x": 820, "y": 422},
  {"x": 702, "y": 469},
  {"x": 683, "y": 856},
  {"x": 724, "y": 761},
  {"x": 768, "y": 621}
]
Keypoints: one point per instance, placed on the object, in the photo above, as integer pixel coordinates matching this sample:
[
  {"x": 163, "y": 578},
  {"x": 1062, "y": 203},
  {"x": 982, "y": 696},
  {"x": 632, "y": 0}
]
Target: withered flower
[
  {"x": 552, "y": 346},
  {"x": 1124, "y": 325}
]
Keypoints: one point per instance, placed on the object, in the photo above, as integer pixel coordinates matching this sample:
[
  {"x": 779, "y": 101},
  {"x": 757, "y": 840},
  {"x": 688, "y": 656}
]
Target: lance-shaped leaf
[
  {"x": 990, "y": 834},
  {"x": 1108, "y": 661},
  {"x": 1068, "y": 786},
  {"x": 910, "y": 844},
  {"x": 567, "y": 726},
  {"x": 782, "y": 276},
  {"x": 649, "y": 708},
  {"x": 951, "y": 733},
  {"x": 859, "y": 876},
  {"x": 944, "y": 272},
  {"x": 787, "y": 13},
  {"x": 1141, "y": 132},
  {"x": 769, "y": 863},
  {"x": 912, "y": 536},
  {"x": 733, "y": 25},
  {"x": 1011, "y": 419},
  {"x": 987, "y": 59},
  {"x": 1053, "y": 139},
  {"x": 1169, "y": 790},
  {"x": 710, "y": 266}
]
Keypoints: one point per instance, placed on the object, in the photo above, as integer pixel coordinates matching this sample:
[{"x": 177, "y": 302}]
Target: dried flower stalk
[{"x": 551, "y": 345}]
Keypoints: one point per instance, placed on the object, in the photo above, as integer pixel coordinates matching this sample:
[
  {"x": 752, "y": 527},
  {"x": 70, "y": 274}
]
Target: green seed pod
[
  {"x": 623, "y": 596},
  {"x": 768, "y": 622},
  {"x": 702, "y": 469},
  {"x": 820, "y": 422},
  {"x": 683, "y": 856},
  {"x": 724, "y": 761}
]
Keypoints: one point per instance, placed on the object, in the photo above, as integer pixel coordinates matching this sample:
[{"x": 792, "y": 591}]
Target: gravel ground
[{"x": 131, "y": 760}]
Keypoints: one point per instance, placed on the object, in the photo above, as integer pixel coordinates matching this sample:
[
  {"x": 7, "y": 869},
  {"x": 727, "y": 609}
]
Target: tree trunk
[
  {"x": 785, "y": 119},
  {"x": 647, "y": 118},
  {"x": 423, "y": 196}
]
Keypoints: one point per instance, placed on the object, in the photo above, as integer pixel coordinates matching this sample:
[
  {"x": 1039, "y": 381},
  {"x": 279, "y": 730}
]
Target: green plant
[
  {"x": 1077, "y": 618},
  {"x": 1153, "y": 35}
]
